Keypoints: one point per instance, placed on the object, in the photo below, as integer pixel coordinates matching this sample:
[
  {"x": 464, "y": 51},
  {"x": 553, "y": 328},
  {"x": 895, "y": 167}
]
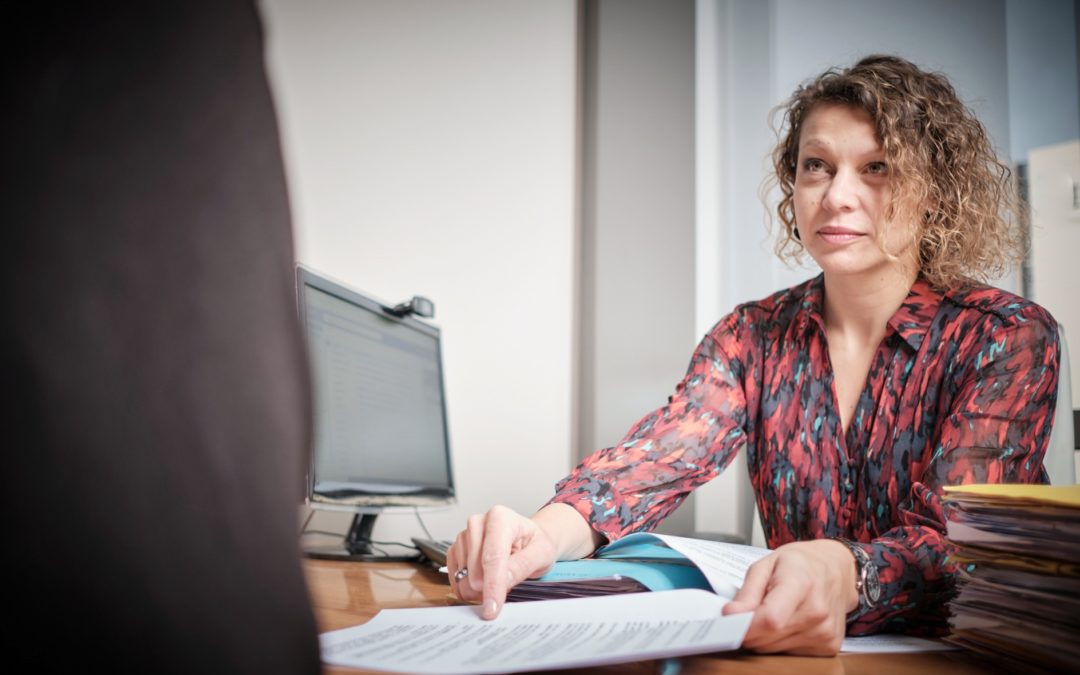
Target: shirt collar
[
  {"x": 812, "y": 307},
  {"x": 911, "y": 321}
]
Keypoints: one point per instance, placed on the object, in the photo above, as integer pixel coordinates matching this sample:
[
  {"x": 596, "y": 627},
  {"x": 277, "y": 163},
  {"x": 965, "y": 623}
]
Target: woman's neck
[{"x": 858, "y": 308}]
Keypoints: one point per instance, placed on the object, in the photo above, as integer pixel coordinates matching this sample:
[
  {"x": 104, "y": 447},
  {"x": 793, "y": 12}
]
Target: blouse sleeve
[
  {"x": 634, "y": 485},
  {"x": 996, "y": 431}
]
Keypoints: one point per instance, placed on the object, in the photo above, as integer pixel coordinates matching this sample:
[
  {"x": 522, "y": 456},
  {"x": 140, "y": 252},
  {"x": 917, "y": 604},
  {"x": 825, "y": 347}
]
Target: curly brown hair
[{"x": 943, "y": 170}]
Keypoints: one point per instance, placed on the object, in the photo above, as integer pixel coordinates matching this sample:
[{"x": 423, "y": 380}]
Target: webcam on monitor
[{"x": 418, "y": 305}]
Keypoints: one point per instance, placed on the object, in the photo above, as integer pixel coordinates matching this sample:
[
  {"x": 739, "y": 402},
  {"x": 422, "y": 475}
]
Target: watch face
[{"x": 873, "y": 587}]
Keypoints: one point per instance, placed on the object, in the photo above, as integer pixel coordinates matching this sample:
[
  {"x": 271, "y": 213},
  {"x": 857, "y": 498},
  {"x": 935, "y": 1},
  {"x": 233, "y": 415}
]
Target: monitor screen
[{"x": 380, "y": 413}]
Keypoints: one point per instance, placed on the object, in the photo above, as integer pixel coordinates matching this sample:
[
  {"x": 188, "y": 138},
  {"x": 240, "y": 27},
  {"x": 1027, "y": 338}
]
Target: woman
[{"x": 857, "y": 394}]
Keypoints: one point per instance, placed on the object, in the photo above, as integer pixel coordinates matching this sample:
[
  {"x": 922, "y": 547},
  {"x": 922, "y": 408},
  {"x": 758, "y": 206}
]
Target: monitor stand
[{"x": 357, "y": 545}]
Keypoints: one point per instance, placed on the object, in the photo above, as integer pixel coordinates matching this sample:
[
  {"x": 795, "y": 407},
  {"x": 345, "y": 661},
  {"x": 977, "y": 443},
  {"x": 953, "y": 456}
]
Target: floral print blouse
[{"x": 961, "y": 390}]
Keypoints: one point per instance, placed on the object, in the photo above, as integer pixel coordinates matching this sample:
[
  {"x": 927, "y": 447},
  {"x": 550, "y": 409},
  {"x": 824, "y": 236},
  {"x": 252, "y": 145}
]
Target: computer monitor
[{"x": 381, "y": 438}]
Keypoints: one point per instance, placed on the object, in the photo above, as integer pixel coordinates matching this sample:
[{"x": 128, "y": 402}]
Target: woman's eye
[
  {"x": 878, "y": 168},
  {"x": 813, "y": 165}
]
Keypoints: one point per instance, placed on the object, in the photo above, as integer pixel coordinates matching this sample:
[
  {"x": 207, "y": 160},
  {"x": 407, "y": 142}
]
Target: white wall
[
  {"x": 732, "y": 75},
  {"x": 638, "y": 216},
  {"x": 1055, "y": 240},
  {"x": 430, "y": 150},
  {"x": 1044, "y": 108}
]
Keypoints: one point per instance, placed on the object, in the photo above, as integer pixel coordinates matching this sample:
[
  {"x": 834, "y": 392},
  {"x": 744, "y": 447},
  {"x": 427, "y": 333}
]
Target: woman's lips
[{"x": 838, "y": 235}]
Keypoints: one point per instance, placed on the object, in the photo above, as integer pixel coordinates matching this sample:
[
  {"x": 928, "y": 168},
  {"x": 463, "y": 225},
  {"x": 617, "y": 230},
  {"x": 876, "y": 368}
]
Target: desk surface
[{"x": 348, "y": 593}]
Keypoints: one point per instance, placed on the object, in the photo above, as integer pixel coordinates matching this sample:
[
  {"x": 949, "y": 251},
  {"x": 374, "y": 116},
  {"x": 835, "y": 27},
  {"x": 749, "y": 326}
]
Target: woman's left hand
[{"x": 800, "y": 596}]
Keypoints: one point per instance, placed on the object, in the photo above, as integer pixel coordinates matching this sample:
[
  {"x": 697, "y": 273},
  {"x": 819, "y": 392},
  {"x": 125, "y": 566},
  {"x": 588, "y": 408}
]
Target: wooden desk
[{"x": 348, "y": 593}]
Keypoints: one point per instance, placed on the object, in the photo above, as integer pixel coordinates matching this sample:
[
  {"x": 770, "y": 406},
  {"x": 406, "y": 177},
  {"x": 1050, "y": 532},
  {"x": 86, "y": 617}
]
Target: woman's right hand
[{"x": 502, "y": 548}]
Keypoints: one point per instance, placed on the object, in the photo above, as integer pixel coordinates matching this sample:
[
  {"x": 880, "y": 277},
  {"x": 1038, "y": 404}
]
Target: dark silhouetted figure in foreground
[{"x": 156, "y": 399}]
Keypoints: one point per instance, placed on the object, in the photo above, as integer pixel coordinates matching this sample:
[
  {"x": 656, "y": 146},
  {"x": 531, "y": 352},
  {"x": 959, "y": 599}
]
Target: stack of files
[
  {"x": 1018, "y": 577},
  {"x": 636, "y": 564}
]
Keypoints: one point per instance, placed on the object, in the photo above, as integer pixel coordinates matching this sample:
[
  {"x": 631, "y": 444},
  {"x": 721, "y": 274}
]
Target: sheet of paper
[
  {"x": 1060, "y": 495},
  {"x": 882, "y": 644},
  {"x": 724, "y": 565},
  {"x": 961, "y": 533},
  {"x": 542, "y": 635}
]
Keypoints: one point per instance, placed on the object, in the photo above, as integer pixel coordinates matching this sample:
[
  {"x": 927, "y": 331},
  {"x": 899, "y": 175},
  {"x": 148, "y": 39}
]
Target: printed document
[{"x": 540, "y": 635}]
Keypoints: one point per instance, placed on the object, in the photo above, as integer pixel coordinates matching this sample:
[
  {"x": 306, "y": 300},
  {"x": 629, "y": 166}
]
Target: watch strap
[{"x": 867, "y": 586}]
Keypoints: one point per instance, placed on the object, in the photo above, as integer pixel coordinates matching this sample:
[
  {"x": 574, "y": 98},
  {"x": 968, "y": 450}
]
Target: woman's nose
[{"x": 842, "y": 192}]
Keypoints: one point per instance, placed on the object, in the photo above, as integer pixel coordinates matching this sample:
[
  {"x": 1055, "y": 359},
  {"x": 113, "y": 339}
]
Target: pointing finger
[{"x": 498, "y": 537}]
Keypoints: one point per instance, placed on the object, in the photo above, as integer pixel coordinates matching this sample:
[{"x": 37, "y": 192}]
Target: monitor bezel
[{"x": 435, "y": 497}]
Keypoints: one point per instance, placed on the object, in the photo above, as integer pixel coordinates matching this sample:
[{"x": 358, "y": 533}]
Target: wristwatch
[{"x": 867, "y": 584}]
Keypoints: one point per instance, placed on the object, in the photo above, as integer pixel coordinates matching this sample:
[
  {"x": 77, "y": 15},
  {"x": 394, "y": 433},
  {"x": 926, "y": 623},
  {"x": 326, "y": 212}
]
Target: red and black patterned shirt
[{"x": 961, "y": 390}]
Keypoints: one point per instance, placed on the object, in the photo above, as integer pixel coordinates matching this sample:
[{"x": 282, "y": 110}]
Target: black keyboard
[{"x": 433, "y": 549}]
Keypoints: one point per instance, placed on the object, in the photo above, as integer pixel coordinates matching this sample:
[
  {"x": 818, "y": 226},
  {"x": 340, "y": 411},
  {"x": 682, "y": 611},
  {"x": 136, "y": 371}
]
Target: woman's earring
[{"x": 795, "y": 232}]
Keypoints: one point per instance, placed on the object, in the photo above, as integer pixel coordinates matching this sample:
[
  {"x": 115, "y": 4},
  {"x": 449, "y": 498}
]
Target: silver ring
[{"x": 461, "y": 574}]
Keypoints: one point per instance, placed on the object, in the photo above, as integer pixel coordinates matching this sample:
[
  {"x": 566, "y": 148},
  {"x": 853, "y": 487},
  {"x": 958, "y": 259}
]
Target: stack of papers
[{"x": 1018, "y": 555}]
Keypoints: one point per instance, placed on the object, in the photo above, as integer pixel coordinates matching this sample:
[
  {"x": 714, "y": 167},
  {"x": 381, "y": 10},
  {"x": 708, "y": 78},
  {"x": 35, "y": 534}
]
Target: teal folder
[{"x": 634, "y": 564}]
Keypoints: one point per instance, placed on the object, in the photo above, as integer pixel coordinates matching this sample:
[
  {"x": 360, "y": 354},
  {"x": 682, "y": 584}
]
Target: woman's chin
[
  {"x": 856, "y": 267},
  {"x": 845, "y": 263}
]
